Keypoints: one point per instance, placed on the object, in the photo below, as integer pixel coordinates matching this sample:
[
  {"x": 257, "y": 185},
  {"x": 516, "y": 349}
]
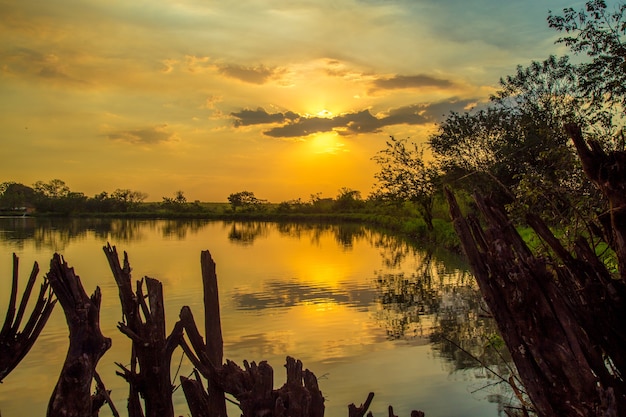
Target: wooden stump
[
  {"x": 72, "y": 394},
  {"x": 144, "y": 323},
  {"x": 16, "y": 343}
]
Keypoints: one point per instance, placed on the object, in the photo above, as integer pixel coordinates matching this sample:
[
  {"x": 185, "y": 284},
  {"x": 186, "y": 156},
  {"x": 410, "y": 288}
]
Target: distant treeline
[{"x": 56, "y": 199}]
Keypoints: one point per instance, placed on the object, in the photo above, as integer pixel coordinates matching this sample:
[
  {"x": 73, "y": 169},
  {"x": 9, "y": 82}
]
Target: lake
[{"x": 364, "y": 311}]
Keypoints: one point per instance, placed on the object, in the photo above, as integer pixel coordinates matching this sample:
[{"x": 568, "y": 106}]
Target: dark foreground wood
[
  {"x": 148, "y": 375},
  {"x": 560, "y": 314},
  {"x": 15, "y": 343},
  {"x": 72, "y": 395}
]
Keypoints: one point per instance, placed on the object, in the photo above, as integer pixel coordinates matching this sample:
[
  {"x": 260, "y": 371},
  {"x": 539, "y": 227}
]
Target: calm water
[{"x": 363, "y": 311}]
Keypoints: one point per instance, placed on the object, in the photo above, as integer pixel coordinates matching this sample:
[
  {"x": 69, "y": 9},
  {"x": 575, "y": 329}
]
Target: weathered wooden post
[
  {"x": 149, "y": 373},
  {"x": 213, "y": 332},
  {"x": 72, "y": 394}
]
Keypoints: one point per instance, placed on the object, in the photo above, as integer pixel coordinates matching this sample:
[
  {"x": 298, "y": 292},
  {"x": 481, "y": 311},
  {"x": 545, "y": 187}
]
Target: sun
[
  {"x": 326, "y": 143},
  {"x": 327, "y": 114}
]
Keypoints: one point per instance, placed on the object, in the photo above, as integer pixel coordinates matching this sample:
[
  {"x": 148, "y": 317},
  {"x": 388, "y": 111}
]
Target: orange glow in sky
[{"x": 281, "y": 98}]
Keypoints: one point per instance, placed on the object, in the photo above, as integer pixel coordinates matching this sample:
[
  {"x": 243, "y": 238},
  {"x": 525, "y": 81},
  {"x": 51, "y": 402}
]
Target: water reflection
[
  {"x": 345, "y": 234},
  {"x": 290, "y": 293},
  {"x": 342, "y": 298},
  {"x": 245, "y": 233}
]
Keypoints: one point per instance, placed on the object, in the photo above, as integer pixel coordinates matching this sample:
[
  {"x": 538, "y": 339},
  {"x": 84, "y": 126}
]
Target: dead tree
[
  {"x": 254, "y": 386},
  {"x": 144, "y": 323},
  {"x": 72, "y": 395},
  {"x": 300, "y": 396},
  {"x": 560, "y": 314},
  {"x": 15, "y": 344}
]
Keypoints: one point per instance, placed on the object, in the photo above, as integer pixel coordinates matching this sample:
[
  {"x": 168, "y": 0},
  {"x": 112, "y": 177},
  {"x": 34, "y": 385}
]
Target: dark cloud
[
  {"x": 29, "y": 62},
  {"x": 440, "y": 110},
  {"x": 149, "y": 135},
  {"x": 247, "y": 117},
  {"x": 410, "y": 81},
  {"x": 253, "y": 75},
  {"x": 304, "y": 126},
  {"x": 364, "y": 121}
]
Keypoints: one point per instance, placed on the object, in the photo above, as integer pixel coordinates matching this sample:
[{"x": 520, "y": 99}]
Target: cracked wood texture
[
  {"x": 72, "y": 394},
  {"x": 559, "y": 314},
  {"x": 144, "y": 323}
]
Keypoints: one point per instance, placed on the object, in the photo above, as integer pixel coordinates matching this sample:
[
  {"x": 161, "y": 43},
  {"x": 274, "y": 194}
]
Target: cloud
[
  {"x": 247, "y": 117},
  {"x": 25, "y": 61},
  {"x": 294, "y": 125},
  {"x": 410, "y": 81},
  {"x": 252, "y": 75},
  {"x": 148, "y": 135}
]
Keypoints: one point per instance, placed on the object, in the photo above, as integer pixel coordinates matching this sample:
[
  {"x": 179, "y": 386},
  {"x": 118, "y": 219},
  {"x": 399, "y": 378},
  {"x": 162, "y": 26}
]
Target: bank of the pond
[{"x": 412, "y": 228}]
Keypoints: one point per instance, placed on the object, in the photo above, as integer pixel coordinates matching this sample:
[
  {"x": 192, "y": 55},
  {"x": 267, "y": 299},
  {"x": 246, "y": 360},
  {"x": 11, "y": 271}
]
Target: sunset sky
[{"x": 279, "y": 97}]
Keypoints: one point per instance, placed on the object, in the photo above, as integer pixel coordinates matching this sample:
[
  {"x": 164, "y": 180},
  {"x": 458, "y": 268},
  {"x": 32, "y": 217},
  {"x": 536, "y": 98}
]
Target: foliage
[
  {"x": 348, "y": 200},
  {"x": 600, "y": 34},
  {"x": 245, "y": 200},
  {"x": 15, "y": 196},
  {"x": 405, "y": 176},
  {"x": 53, "y": 189},
  {"x": 516, "y": 148}
]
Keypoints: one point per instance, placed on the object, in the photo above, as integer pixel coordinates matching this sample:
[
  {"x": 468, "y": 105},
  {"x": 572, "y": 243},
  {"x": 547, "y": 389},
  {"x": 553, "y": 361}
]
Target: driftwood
[
  {"x": 15, "y": 344},
  {"x": 144, "y": 323},
  {"x": 72, "y": 395},
  {"x": 561, "y": 316}
]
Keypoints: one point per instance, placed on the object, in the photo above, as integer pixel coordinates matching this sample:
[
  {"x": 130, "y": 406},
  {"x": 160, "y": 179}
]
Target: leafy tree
[
  {"x": 54, "y": 189},
  {"x": 473, "y": 148},
  {"x": 244, "y": 200},
  {"x": 180, "y": 197},
  {"x": 405, "y": 176},
  {"x": 128, "y": 196},
  {"x": 14, "y": 195},
  {"x": 516, "y": 148},
  {"x": 348, "y": 199},
  {"x": 177, "y": 203},
  {"x": 123, "y": 199},
  {"x": 600, "y": 34}
]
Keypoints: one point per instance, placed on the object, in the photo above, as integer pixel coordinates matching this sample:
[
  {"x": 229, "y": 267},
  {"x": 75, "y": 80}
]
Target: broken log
[
  {"x": 535, "y": 302},
  {"x": 144, "y": 323},
  {"x": 72, "y": 394},
  {"x": 16, "y": 343}
]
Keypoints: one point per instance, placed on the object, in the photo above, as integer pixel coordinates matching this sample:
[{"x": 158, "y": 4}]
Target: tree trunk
[
  {"x": 561, "y": 314},
  {"x": 72, "y": 394},
  {"x": 213, "y": 331},
  {"x": 152, "y": 350}
]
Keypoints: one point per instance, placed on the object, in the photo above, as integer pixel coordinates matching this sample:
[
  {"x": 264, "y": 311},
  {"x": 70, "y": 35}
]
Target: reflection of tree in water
[
  {"x": 346, "y": 234},
  {"x": 55, "y": 234},
  {"x": 244, "y": 233},
  {"x": 444, "y": 307},
  {"x": 393, "y": 250},
  {"x": 178, "y": 229}
]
